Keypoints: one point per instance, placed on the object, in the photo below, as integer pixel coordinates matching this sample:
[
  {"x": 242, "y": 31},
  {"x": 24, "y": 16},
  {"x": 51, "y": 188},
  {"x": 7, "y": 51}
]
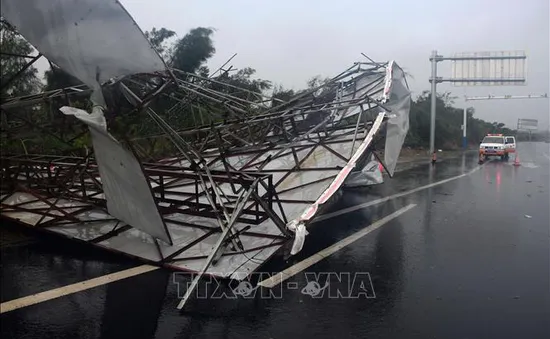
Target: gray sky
[{"x": 288, "y": 42}]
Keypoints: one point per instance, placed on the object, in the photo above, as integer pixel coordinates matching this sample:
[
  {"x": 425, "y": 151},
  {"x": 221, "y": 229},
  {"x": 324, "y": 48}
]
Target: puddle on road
[{"x": 529, "y": 165}]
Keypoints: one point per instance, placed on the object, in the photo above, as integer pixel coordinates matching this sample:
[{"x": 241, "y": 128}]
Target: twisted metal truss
[
  {"x": 284, "y": 154},
  {"x": 246, "y": 179}
]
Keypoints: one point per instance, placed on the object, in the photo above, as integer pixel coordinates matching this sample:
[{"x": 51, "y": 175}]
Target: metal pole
[
  {"x": 464, "y": 139},
  {"x": 241, "y": 202},
  {"x": 432, "y": 111}
]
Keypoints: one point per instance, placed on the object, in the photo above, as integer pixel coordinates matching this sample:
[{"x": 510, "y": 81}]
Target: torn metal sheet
[
  {"x": 96, "y": 223},
  {"x": 398, "y": 98},
  {"x": 303, "y": 170},
  {"x": 94, "y": 40},
  {"x": 125, "y": 187},
  {"x": 369, "y": 175},
  {"x": 231, "y": 190},
  {"x": 298, "y": 224}
]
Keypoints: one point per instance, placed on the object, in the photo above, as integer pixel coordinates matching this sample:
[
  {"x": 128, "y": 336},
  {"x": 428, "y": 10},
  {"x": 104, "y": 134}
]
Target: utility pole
[
  {"x": 464, "y": 123},
  {"x": 464, "y": 126},
  {"x": 433, "y": 80}
]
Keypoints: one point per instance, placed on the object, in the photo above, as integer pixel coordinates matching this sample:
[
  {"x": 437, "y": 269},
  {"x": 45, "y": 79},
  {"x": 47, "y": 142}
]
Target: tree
[
  {"x": 316, "y": 81},
  {"x": 243, "y": 79},
  {"x": 158, "y": 39},
  {"x": 14, "y": 48},
  {"x": 15, "y": 81},
  {"x": 448, "y": 123},
  {"x": 192, "y": 51},
  {"x": 190, "y": 54},
  {"x": 282, "y": 94},
  {"x": 57, "y": 78}
]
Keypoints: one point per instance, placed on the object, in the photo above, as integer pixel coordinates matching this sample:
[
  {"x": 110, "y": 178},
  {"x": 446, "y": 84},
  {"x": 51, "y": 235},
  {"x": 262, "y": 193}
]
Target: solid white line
[
  {"x": 74, "y": 288},
  {"x": 302, "y": 265},
  {"x": 398, "y": 195}
]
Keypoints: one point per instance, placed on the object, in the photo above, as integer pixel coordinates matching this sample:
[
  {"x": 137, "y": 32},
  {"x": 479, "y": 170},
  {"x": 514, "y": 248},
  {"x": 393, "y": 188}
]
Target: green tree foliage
[
  {"x": 158, "y": 39},
  {"x": 448, "y": 124},
  {"x": 13, "y": 48},
  {"x": 13, "y": 51},
  {"x": 279, "y": 93},
  {"x": 193, "y": 50},
  {"x": 534, "y": 136},
  {"x": 190, "y": 54},
  {"x": 316, "y": 81},
  {"x": 57, "y": 78},
  {"x": 243, "y": 79}
]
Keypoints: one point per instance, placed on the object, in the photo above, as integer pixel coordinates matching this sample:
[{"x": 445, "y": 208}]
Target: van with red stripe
[{"x": 494, "y": 145}]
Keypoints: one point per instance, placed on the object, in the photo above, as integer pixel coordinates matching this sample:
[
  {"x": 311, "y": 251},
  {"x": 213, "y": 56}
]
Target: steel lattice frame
[
  {"x": 254, "y": 168},
  {"x": 246, "y": 175}
]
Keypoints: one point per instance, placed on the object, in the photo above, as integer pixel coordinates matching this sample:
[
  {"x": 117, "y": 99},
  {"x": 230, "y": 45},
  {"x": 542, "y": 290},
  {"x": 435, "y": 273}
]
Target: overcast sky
[{"x": 288, "y": 42}]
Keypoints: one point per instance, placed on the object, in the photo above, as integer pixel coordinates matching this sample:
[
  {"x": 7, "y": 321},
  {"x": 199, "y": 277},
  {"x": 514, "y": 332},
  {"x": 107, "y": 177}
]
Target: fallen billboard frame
[{"x": 233, "y": 192}]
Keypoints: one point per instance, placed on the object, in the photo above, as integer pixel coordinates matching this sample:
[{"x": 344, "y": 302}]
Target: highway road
[{"x": 454, "y": 250}]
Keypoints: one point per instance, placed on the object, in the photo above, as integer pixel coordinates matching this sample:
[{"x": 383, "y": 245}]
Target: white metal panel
[
  {"x": 94, "y": 40},
  {"x": 128, "y": 194},
  {"x": 399, "y": 102},
  {"x": 140, "y": 244}
]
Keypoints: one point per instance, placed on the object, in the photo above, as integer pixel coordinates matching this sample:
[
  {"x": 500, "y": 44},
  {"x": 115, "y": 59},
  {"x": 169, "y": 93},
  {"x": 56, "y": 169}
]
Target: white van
[{"x": 493, "y": 145}]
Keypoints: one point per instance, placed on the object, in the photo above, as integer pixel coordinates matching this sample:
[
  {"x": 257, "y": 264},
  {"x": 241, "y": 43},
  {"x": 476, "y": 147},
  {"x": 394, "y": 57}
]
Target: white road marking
[
  {"x": 304, "y": 264},
  {"x": 391, "y": 197},
  {"x": 73, "y": 288}
]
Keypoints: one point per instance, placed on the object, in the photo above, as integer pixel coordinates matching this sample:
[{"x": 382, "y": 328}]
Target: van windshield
[
  {"x": 493, "y": 140},
  {"x": 509, "y": 140}
]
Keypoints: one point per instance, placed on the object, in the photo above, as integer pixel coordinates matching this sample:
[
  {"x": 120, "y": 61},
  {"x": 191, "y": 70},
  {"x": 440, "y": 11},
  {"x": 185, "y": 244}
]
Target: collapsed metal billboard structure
[{"x": 235, "y": 190}]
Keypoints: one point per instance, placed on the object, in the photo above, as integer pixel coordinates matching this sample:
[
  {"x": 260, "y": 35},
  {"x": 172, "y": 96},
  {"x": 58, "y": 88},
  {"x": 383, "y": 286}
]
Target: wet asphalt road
[{"x": 471, "y": 260}]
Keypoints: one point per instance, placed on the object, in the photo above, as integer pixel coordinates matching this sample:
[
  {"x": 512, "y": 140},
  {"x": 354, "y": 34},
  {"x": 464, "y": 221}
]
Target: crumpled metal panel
[
  {"x": 128, "y": 194},
  {"x": 371, "y": 174},
  {"x": 297, "y": 225},
  {"x": 138, "y": 243},
  {"x": 365, "y": 84},
  {"x": 94, "y": 40},
  {"x": 398, "y": 100}
]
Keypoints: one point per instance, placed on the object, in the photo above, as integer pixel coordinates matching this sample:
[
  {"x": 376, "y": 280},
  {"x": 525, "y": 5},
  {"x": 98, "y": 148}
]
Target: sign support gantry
[{"x": 476, "y": 69}]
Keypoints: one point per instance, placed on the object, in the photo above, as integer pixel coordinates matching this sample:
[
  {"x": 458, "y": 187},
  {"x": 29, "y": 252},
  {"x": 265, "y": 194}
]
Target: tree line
[{"x": 190, "y": 55}]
